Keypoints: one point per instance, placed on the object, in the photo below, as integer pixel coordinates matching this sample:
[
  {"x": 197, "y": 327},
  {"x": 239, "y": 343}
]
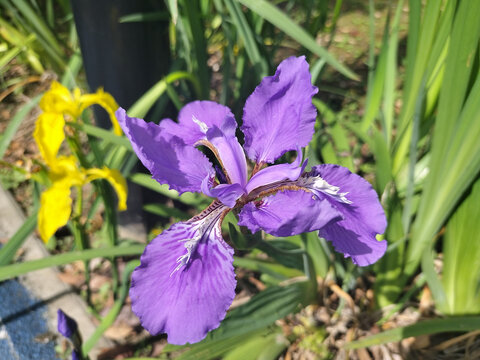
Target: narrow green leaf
[
  {"x": 8, "y": 251},
  {"x": 145, "y": 103},
  {"x": 173, "y": 8},
  {"x": 165, "y": 211},
  {"x": 143, "y": 17},
  {"x": 103, "y": 134},
  {"x": 246, "y": 34},
  {"x": 109, "y": 319},
  {"x": 428, "y": 327},
  {"x": 391, "y": 75},
  {"x": 39, "y": 25},
  {"x": 215, "y": 349},
  {"x": 461, "y": 265},
  {"x": 260, "y": 347},
  {"x": 278, "y": 271},
  {"x": 9, "y": 271},
  {"x": 275, "y": 16},
  {"x": 198, "y": 44},
  {"x": 455, "y": 160},
  {"x": 15, "y": 123},
  {"x": 192, "y": 199}
]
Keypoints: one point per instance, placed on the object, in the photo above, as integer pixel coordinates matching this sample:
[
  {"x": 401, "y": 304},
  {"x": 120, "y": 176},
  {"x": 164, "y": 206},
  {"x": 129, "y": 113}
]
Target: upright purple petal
[
  {"x": 212, "y": 123},
  {"x": 166, "y": 156},
  {"x": 288, "y": 213},
  {"x": 186, "y": 281},
  {"x": 279, "y": 115},
  {"x": 276, "y": 173},
  {"x": 357, "y": 201}
]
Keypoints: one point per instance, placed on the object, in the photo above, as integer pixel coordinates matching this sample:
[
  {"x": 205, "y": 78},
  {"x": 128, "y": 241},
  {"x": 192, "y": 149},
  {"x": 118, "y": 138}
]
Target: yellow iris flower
[
  {"x": 64, "y": 171},
  {"x": 59, "y": 100}
]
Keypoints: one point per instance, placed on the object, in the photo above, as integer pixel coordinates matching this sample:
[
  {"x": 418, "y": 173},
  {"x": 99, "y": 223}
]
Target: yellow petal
[
  {"x": 55, "y": 209},
  {"x": 106, "y": 101},
  {"x": 49, "y": 135},
  {"x": 59, "y": 100},
  {"x": 65, "y": 168},
  {"x": 116, "y": 180}
]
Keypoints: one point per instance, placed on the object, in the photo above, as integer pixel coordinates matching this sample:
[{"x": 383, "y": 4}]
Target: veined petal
[
  {"x": 55, "y": 209},
  {"x": 115, "y": 178},
  {"x": 199, "y": 116},
  {"x": 275, "y": 173},
  {"x": 106, "y": 101},
  {"x": 357, "y": 201},
  {"x": 213, "y": 125},
  {"x": 288, "y": 213},
  {"x": 279, "y": 115},
  {"x": 49, "y": 135},
  {"x": 168, "y": 158},
  {"x": 186, "y": 281}
]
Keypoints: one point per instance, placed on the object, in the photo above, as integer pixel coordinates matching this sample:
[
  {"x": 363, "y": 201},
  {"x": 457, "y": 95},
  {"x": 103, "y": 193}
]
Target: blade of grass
[
  {"x": 8, "y": 251},
  {"x": 199, "y": 46},
  {"x": 246, "y": 34},
  {"x": 15, "y": 123},
  {"x": 461, "y": 268},
  {"x": 145, "y": 103},
  {"x": 186, "y": 198},
  {"x": 108, "y": 320},
  {"x": 10, "y": 271},
  {"x": 455, "y": 150},
  {"x": 452, "y": 324},
  {"x": 275, "y": 16}
]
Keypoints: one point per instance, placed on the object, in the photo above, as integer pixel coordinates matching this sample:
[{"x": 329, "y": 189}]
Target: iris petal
[
  {"x": 213, "y": 125},
  {"x": 228, "y": 194},
  {"x": 363, "y": 215},
  {"x": 288, "y": 213},
  {"x": 186, "y": 281},
  {"x": 55, "y": 209},
  {"x": 166, "y": 156},
  {"x": 49, "y": 135},
  {"x": 275, "y": 173},
  {"x": 279, "y": 115}
]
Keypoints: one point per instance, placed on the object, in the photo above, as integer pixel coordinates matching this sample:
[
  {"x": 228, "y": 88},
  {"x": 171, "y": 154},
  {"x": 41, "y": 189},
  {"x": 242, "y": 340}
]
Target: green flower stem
[
  {"x": 108, "y": 320},
  {"x": 80, "y": 237}
]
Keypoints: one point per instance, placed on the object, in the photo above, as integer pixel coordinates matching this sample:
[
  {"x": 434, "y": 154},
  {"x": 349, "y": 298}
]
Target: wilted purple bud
[
  {"x": 76, "y": 355},
  {"x": 66, "y": 325}
]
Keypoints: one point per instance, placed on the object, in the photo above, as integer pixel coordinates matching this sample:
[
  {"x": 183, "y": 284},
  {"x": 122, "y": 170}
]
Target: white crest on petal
[
  {"x": 203, "y": 127},
  {"x": 196, "y": 229},
  {"x": 316, "y": 183}
]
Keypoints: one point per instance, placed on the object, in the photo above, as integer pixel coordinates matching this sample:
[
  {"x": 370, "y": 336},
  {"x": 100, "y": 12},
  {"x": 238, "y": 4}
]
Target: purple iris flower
[{"x": 186, "y": 281}]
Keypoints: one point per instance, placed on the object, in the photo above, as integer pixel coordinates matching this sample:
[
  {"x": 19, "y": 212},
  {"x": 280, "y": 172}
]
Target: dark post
[{"x": 126, "y": 59}]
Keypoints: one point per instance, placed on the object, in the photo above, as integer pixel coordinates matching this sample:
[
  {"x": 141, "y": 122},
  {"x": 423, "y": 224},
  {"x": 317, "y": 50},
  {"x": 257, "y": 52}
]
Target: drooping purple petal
[
  {"x": 186, "y": 281},
  {"x": 288, "y": 213},
  {"x": 275, "y": 173},
  {"x": 166, "y": 156},
  {"x": 279, "y": 115},
  {"x": 228, "y": 194},
  {"x": 212, "y": 124},
  {"x": 357, "y": 201}
]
